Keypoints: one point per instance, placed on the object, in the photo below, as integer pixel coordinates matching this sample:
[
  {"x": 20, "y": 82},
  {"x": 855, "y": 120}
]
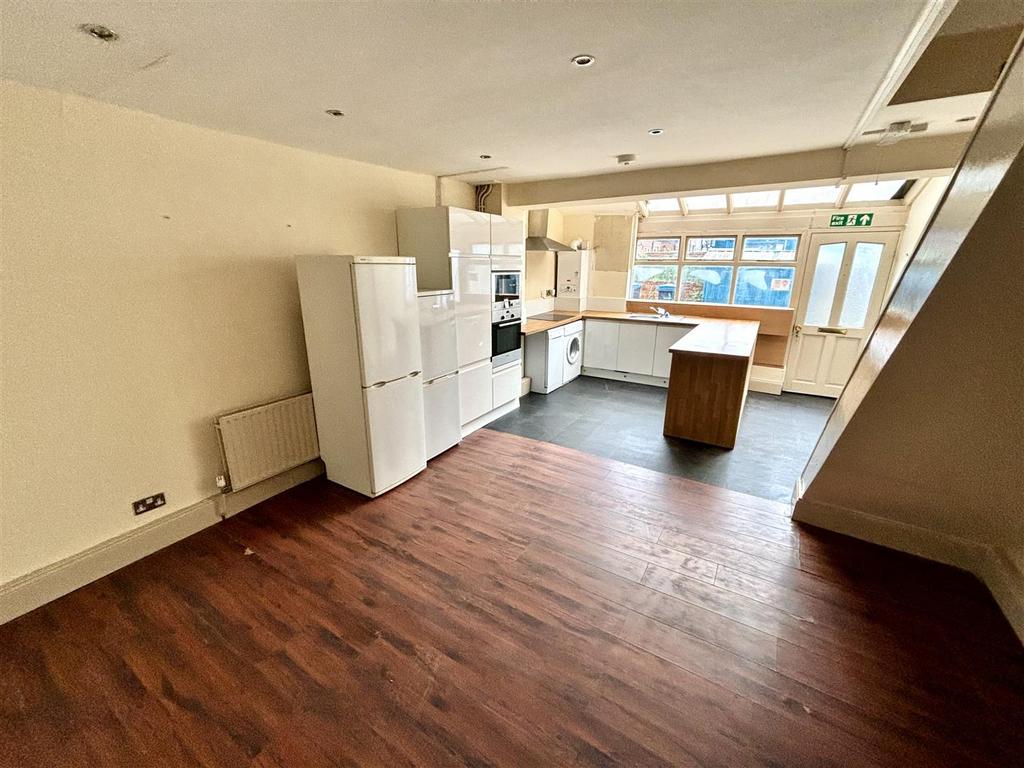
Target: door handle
[
  {"x": 506, "y": 325},
  {"x": 837, "y": 331},
  {"x": 797, "y": 329}
]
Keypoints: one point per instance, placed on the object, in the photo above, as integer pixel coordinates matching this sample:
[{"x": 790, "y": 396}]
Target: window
[
  {"x": 665, "y": 205},
  {"x": 654, "y": 282},
  {"x": 811, "y": 196},
  {"x": 767, "y": 199},
  {"x": 710, "y": 248},
  {"x": 709, "y": 283},
  {"x": 657, "y": 248},
  {"x": 712, "y": 269},
  {"x": 873, "y": 191},
  {"x": 705, "y": 203},
  {"x": 769, "y": 248},
  {"x": 764, "y": 286}
]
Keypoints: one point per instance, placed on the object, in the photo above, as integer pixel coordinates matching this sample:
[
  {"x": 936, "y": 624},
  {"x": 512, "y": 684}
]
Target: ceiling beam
[{"x": 925, "y": 156}]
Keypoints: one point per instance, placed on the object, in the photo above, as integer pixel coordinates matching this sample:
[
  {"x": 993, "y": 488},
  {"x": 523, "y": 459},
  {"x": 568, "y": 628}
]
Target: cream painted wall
[
  {"x": 148, "y": 284},
  {"x": 937, "y": 444},
  {"x": 540, "y": 265},
  {"x": 921, "y": 210}
]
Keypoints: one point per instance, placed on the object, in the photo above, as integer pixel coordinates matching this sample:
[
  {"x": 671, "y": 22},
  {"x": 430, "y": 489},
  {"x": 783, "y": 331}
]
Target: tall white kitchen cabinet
[
  {"x": 361, "y": 323},
  {"x": 441, "y": 407},
  {"x": 508, "y": 237},
  {"x": 457, "y": 249},
  {"x": 433, "y": 235}
]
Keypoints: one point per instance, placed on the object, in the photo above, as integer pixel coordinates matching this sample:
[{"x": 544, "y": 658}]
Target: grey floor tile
[{"x": 623, "y": 421}]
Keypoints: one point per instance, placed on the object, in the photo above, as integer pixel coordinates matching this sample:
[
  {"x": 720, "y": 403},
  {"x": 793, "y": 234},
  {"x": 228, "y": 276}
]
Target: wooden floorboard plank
[{"x": 515, "y": 604}]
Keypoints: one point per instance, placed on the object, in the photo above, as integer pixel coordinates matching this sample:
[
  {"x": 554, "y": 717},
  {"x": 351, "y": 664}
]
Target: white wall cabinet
[
  {"x": 665, "y": 337},
  {"x": 636, "y": 348},
  {"x": 601, "y": 344}
]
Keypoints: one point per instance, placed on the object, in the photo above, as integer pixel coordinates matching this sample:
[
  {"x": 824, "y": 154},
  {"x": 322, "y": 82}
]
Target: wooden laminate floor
[{"x": 517, "y": 604}]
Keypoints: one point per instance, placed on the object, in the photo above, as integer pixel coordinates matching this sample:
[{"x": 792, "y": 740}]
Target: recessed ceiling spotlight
[
  {"x": 583, "y": 60},
  {"x": 106, "y": 34},
  {"x": 485, "y": 157},
  {"x": 656, "y": 131},
  {"x": 334, "y": 112},
  {"x": 966, "y": 119}
]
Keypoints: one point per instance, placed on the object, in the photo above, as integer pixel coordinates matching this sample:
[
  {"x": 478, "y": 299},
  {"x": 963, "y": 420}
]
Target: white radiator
[{"x": 257, "y": 443}]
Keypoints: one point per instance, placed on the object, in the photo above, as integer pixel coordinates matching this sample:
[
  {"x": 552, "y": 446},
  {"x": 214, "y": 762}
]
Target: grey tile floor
[{"x": 623, "y": 421}]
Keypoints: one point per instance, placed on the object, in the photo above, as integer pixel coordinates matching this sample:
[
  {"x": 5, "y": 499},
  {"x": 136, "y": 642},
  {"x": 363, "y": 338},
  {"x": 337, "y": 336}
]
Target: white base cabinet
[
  {"x": 630, "y": 351},
  {"x": 442, "y": 420},
  {"x": 665, "y": 337},
  {"x": 475, "y": 391},
  {"x": 505, "y": 384},
  {"x": 636, "y": 348},
  {"x": 601, "y": 344}
]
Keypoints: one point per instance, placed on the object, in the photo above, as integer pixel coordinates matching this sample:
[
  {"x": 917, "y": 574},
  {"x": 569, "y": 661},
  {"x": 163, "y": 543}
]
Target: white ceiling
[{"x": 430, "y": 86}]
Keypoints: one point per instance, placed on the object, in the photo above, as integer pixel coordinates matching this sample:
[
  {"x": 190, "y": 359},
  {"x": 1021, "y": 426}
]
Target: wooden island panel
[{"x": 707, "y": 391}]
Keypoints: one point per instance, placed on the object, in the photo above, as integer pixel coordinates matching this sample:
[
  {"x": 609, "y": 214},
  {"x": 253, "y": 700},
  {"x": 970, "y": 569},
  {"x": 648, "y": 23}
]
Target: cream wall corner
[{"x": 148, "y": 284}]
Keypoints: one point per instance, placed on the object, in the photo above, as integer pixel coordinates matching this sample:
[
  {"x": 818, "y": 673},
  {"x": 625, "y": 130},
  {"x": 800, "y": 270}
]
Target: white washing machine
[
  {"x": 554, "y": 357},
  {"x": 572, "y": 362}
]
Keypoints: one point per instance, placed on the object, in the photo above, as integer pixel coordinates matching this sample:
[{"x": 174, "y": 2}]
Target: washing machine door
[{"x": 573, "y": 348}]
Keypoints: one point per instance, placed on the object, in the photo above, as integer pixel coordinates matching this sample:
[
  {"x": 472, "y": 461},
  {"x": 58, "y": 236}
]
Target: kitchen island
[
  {"x": 708, "y": 369},
  {"x": 708, "y": 381}
]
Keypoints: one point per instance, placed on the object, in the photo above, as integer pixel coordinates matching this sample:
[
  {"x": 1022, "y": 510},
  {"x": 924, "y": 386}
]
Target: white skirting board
[
  {"x": 766, "y": 379},
  {"x": 34, "y": 589},
  {"x": 998, "y": 573},
  {"x": 636, "y": 378},
  {"x": 487, "y": 418}
]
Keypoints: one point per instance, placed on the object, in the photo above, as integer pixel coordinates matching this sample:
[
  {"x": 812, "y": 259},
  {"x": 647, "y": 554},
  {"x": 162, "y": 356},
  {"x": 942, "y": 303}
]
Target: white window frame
[{"x": 736, "y": 261}]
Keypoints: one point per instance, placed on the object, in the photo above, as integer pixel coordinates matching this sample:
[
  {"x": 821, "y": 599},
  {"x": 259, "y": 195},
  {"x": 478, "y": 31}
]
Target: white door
[
  {"x": 441, "y": 414},
  {"x": 472, "y": 282},
  {"x": 437, "y": 335},
  {"x": 840, "y": 300},
  {"x": 387, "y": 318},
  {"x": 394, "y": 425}
]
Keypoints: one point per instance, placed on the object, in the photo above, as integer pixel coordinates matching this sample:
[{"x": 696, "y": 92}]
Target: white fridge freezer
[
  {"x": 360, "y": 319},
  {"x": 440, "y": 366}
]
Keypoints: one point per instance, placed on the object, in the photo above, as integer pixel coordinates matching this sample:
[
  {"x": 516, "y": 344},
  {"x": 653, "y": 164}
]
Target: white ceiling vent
[{"x": 896, "y": 132}]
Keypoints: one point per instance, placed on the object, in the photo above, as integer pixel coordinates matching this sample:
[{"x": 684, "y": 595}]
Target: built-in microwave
[{"x": 507, "y": 289}]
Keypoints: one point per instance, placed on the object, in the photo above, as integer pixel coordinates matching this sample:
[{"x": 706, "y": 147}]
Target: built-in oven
[
  {"x": 506, "y": 316},
  {"x": 506, "y": 338}
]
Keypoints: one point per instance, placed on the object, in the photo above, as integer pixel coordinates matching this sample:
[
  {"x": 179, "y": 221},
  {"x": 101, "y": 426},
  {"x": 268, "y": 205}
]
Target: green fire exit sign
[{"x": 851, "y": 219}]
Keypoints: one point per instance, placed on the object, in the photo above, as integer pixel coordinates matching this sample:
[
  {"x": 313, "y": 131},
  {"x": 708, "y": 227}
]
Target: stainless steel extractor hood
[{"x": 537, "y": 234}]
